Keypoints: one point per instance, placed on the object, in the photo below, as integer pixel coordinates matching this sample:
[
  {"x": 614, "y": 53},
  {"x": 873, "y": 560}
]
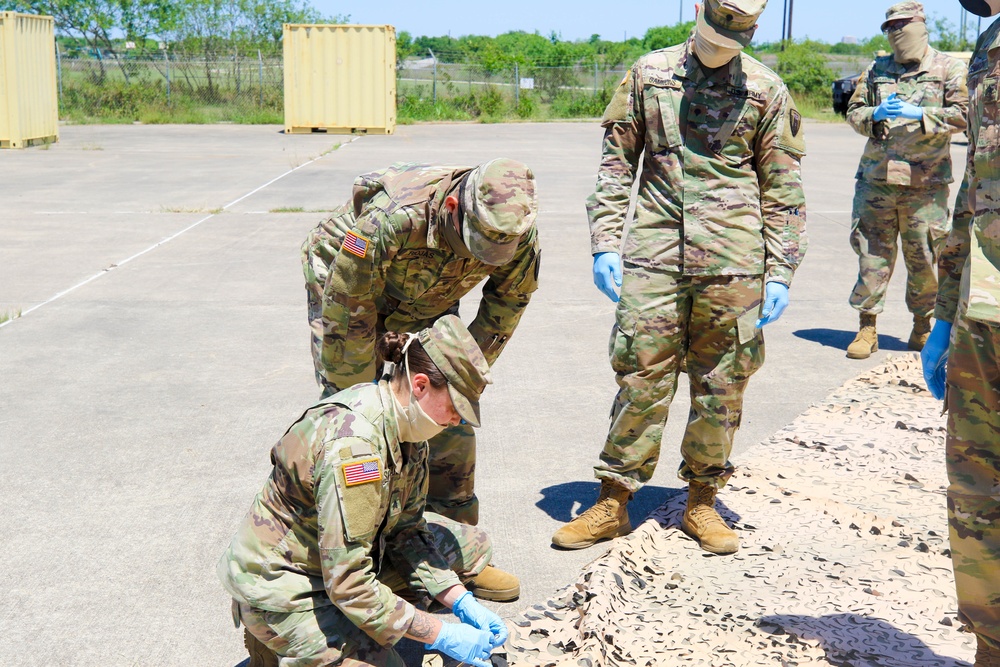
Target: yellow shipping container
[
  {"x": 340, "y": 78},
  {"x": 29, "y": 104}
]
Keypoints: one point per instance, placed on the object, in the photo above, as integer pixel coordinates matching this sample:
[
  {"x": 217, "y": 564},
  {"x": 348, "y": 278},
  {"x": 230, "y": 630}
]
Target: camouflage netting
[{"x": 844, "y": 556}]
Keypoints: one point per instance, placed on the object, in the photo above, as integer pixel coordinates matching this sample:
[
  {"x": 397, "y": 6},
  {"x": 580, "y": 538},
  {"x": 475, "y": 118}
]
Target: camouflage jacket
[
  {"x": 902, "y": 151},
  {"x": 407, "y": 275},
  {"x": 343, "y": 495},
  {"x": 969, "y": 264},
  {"x": 720, "y": 190}
]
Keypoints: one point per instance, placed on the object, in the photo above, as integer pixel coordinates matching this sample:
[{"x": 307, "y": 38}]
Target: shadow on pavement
[
  {"x": 563, "y": 502},
  {"x": 839, "y": 339},
  {"x": 850, "y": 639}
]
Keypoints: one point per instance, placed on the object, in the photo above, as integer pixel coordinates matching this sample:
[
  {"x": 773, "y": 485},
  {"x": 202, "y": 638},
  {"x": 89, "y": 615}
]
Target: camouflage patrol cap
[
  {"x": 904, "y": 10},
  {"x": 457, "y": 355},
  {"x": 729, "y": 23},
  {"x": 499, "y": 205}
]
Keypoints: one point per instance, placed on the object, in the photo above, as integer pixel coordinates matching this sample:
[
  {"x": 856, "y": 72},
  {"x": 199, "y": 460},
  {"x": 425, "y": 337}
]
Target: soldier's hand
[
  {"x": 775, "y": 302},
  {"x": 469, "y": 611},
  {"x": 934, "y": 358},
  {"x": 608, "y": 273},
  {"x": 890, "y": 108},
  {"x": 463, "y": 643},
  {"x": 911, "y": 111}
]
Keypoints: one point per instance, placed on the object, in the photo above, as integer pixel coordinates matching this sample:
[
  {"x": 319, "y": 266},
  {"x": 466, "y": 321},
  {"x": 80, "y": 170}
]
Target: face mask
[
  {"x": 712, "y": 55},
  {"x": 909, "y": 44},
  {"x": 984, "y": 8},
  {"x": 415, "y": 425}
]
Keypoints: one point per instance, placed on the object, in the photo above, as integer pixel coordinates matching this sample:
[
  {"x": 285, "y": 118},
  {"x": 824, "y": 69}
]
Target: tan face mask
[
  {"x": 712, "y": 55},
  {"x": 414, "y": 424},
  {"x": 909, "y": 44}
]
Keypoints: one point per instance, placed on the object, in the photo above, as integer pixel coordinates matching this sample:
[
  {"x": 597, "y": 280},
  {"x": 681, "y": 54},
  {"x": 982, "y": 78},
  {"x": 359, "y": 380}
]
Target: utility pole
[
  {"x": 784, "y": 24},
  {"x": 680, "y": 11},
  {"x": 791, "y": 10}
]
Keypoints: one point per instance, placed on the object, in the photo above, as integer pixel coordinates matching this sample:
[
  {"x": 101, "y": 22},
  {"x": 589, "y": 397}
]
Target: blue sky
[{"x": 819, "y": 19}]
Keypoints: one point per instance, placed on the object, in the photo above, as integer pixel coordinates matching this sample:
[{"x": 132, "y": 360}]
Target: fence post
[
  {"x": 260, "y": 76},
  {"x": 59, "y": 69},
  {"x": 517, "y": 86},
  {"x": 434, "y": 84},
  {"x": 166, "y": 56},
  {"x": 595, "y": 78}
]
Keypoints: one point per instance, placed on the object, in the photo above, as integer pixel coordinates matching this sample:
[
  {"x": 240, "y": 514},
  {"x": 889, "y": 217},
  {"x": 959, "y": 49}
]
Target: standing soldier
[
  {"x": 414, "y": 240},
  {"x": 908, "y": 105},
  {"x": 968, "y": 315},
  {"x": 719, "y": 222}
]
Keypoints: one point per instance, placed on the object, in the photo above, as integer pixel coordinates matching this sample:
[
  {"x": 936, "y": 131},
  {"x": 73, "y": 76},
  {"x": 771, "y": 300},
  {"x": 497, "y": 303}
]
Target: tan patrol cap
[
  {"x": 904, "y": 10},
  {"x": 499, "y": 204},
  {"x": 729, "y": 23},
  {"x": 457, "y": 355}
]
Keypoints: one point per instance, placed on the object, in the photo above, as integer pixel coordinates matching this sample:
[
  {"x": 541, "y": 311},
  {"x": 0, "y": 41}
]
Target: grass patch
[
  {"x": 287, "y": 209},
  {"x": 817, "y": 106},
  {"x": 181, "y": 209},
  {"x": 8, "y": 315}
]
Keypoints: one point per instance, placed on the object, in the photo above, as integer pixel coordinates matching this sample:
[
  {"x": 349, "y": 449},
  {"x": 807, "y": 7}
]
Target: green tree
[{"x": 803, "y": 69}]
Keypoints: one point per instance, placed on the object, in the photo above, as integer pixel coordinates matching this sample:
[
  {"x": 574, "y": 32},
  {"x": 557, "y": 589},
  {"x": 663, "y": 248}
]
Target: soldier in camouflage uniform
[
  {"x": 340, "y": 527},
  {"x": 413, "y": 240},
  {"x": 908, "y": 104},
  {"x": 966, "y": 342},
  {"x": 720, "y": 214}
]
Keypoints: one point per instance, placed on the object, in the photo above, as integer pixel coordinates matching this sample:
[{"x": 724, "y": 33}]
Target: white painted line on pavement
[{"x": 169, "y": 238}]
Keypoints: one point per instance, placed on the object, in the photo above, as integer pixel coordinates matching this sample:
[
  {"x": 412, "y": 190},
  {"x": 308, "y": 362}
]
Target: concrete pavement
[{"x": 164, "y": 349}]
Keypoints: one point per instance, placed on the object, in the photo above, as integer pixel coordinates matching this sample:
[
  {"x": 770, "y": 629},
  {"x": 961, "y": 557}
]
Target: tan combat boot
[
  {"x": 606, "y": 519},
  {"x": 919, "y": 335},
  {"x": 704, "y": 524},
  {"x": 866, "y": 341},
  {"x": 495, "y": 584},
  {"x": 260, "y": 655},
  {"x": 986, "y": 655}
]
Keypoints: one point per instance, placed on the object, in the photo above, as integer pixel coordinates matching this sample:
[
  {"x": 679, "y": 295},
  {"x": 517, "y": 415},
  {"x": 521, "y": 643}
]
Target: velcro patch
[{"x": 362, "y": 472}]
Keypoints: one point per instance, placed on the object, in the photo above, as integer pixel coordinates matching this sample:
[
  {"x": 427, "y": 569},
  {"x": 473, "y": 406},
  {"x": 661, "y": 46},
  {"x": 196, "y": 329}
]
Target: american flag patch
[
  {"x": 356, "y": 245},
  {"x": 360, "y": 472}
]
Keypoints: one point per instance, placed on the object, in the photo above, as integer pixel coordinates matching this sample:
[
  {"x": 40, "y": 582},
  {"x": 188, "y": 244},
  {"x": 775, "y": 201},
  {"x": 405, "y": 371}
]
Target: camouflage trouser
[
  {"x": 452, "y": 456},
  {"x": 918, "y": 216},
  {"x": 324, "y": 636},
  {"x": 973, "y": 459},
  {"x": 661, "y": 318}
]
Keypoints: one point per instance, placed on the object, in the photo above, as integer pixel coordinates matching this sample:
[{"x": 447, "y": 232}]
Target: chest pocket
[
  {"x": 883, "y": 88},
  {"x": 661, "y": 106},
  {"x": 929, "y": 91},
  {"x": 412, "y": 273}
]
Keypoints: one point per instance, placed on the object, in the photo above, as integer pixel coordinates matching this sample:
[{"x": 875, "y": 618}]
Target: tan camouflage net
[{"x": 844, "y": 556}]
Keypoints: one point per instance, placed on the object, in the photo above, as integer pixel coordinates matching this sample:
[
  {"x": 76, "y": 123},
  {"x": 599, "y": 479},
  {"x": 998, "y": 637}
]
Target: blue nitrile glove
[
  {"x": 608, "y": 273},
  {"x": 468, "y": 610},
  {"x": 889, "y": 108},
  {"x": 775, "y": 302},
  {"x": 463, "y": 643},
  {"x": 934, "y": 358},
  {"x": 911, "y": 111}
]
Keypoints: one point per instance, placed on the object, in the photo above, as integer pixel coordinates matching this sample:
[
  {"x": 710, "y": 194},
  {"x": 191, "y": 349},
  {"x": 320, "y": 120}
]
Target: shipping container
[
  {"x": 340, "y": 78},
  {"x": 29, "y": 104}
]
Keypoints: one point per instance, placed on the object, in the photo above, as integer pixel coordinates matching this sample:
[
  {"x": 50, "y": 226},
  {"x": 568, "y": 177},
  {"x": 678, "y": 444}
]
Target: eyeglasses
[{"x": 896, "y": 26}]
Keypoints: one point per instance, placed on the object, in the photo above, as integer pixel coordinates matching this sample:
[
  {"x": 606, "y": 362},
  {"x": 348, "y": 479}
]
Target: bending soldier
[{"x": 413, "y": 240}]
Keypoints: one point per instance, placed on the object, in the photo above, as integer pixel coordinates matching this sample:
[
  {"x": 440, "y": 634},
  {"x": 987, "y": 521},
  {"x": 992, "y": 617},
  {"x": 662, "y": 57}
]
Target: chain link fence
[
  {"x": 240, "y": 88},
  {"x": 231, "y": 88}
]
